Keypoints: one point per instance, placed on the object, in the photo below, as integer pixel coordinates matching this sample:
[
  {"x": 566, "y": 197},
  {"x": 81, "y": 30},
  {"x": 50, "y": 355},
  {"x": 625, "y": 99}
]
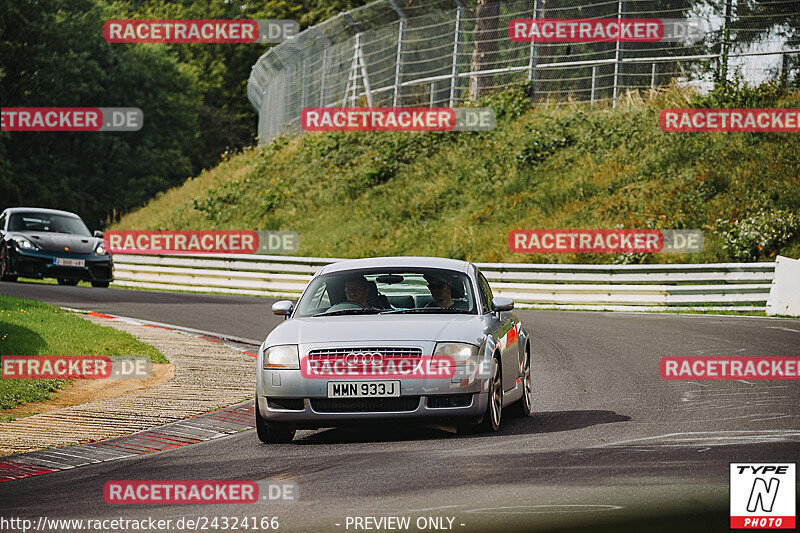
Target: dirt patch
[{"x": 82, "y": 391}]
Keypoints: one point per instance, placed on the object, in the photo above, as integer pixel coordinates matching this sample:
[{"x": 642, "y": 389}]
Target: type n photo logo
[{"x": 763, "y": 495}]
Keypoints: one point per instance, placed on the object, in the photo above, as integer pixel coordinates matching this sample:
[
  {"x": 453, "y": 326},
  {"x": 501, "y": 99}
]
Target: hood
[
  {"x": 379, "y": 329},
  {"x": 56, "y": 242}
]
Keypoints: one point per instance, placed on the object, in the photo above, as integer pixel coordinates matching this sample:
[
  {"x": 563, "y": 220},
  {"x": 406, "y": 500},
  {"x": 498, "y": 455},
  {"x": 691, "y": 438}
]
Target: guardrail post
[
  {"x": 401, "y": 32},
  {"x": 456, "y": 50},
  {"x": 618, "y": 55}
]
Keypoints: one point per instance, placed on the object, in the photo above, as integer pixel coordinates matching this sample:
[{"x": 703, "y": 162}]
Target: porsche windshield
[
  {"x": 47, "y": 222},
  {"x": 388, "y": 291}
]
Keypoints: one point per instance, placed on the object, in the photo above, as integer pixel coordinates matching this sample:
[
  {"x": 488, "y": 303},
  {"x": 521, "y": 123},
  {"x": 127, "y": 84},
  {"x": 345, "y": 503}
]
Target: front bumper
[
  {"x": 287, "y": 396},
  {"x": 309, "y": 418},
  {"x": 39, "y": 264}
]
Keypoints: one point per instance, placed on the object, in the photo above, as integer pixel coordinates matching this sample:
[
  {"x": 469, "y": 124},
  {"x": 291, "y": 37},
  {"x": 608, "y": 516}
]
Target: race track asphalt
[{"x": 611, "y": 446}]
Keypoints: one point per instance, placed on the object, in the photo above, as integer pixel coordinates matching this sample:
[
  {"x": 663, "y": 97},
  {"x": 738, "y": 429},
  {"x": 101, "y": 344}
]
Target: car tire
[
  {"x": 273, "y": 432},
  {"x": 101, "y": 284},
  {"x": 494, "y": 407},
  {"x": 69, "y": 282},
  {"x": 4, "y": 266},
  {"x": 524, "y": 405}
]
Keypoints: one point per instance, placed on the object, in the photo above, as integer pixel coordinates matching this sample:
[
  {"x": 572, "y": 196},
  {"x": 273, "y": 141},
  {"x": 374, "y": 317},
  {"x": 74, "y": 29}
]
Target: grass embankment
[
  {"x": 460, "y": 194},
  {"x": 34, "y": 328}
]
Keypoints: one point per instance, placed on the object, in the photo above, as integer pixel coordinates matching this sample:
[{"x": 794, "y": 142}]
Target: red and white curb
[{"x": 199, "y": 428}]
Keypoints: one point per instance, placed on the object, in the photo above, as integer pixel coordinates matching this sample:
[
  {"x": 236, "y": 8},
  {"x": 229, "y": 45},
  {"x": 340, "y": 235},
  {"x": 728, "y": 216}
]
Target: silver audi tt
[{"x": 414, "y": 338}]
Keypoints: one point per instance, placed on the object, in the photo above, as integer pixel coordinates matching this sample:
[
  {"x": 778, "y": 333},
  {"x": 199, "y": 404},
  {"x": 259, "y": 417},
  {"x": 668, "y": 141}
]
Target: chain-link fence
[{"x": 393, "y": 53}]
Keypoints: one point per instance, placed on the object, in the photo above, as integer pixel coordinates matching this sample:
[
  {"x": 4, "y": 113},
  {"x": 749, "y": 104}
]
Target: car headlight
[
  {"x": 100, "y": 250},
  {"x": 284, "y": 356},
  {"x": 461, "y": 352},
  {"x": 24, "y": 243}
]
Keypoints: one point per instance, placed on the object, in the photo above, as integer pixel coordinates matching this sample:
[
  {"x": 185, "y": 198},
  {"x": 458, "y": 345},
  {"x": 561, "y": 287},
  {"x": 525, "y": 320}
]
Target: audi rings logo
[{"x": 363, "y": 358}]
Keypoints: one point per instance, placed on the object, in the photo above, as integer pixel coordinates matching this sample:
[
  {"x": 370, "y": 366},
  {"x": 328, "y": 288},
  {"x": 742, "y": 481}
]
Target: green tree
[{"x": 53, "y": 54}]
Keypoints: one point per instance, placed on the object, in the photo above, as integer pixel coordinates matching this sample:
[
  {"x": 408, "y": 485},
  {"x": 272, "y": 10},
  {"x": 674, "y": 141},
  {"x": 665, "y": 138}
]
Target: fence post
[
  {"x": 358, "y": 62},
  {"x": 594, "y": 84},
  {"x": 352, "y": 78},
  {"x": 724, "y": 48},
  {"x": 400, "y": 36},
  {"x": 364, "y": 74},
  {"x": 456, "y": 47},
  {"x": 325, "y": 46},
  {"x": 784, "y": 76},
  {"x": 304, "y": 85},
  {"x": 534, "y": 53},
  {"x": 323, "y": 77},
  {"x": 653, "y": 80},
  {"x": 618, "y": 54}
]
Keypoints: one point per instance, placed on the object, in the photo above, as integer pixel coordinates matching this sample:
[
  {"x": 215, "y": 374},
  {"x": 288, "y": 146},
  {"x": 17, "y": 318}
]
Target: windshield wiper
[
  {"x": 365, "y": 311},
  {"x": 426, "y": 310}
]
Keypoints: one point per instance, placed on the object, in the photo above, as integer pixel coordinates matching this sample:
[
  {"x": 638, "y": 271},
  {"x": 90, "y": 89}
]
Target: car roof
[
  {"x": 40, "y": 210},
  {"x": 397, "y": 262}
]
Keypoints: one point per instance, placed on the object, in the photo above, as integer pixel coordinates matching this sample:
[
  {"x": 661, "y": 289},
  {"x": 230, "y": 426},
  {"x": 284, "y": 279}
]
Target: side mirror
[
  {"x": 500, "y": 304},
  {"x": 99, "y": 234},
  {"x": 284, "y": 307}
]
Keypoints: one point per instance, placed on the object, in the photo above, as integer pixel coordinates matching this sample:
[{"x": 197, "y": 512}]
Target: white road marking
[
  {"x": 784, "y": 329},
  {"x": 563, "y": 508}
]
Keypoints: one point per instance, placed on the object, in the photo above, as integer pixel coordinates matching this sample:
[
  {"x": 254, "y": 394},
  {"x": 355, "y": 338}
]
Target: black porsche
[{"x": 47, "y": 243}]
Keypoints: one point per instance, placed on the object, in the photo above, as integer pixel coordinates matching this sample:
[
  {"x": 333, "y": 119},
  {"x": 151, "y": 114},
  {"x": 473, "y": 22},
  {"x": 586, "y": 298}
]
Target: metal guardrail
[{"x": 718, "y": 286}]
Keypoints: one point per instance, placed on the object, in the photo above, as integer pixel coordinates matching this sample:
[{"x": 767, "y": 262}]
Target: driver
[
  {"x": 441, "y": 290},
  {"x": 356, "y": 290}
]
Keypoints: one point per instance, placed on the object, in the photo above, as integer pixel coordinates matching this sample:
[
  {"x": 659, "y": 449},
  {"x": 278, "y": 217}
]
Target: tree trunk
[{"x": 486, "y": 34}]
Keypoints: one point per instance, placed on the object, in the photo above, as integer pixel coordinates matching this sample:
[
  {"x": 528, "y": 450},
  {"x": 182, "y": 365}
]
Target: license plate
[
  {"x": 67, "y": 262},
  {"x": 363, "y": 389}
]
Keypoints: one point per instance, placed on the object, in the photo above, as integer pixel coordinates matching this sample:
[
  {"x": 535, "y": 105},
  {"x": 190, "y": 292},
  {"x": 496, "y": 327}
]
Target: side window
[
  {"x": 321, "y": 299},
  {"x": 486, "y": 293}
]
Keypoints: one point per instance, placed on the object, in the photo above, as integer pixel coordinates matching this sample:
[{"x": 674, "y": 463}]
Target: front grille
[
  {"x": 449, "y": 400},
  {"x": 332, "y": 354},
  {"x": 386, "y": 354},
  {"x": 68, "y": 273},
  {"x": 100, "y": 271},
  {"x": 29, "y": 267},
  {"x": 365, "y": 405},
  {"x": 286, "y": 404}
]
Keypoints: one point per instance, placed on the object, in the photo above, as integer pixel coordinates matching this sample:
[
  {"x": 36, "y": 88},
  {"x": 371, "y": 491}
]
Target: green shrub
[{"x": 759, "y": 236}]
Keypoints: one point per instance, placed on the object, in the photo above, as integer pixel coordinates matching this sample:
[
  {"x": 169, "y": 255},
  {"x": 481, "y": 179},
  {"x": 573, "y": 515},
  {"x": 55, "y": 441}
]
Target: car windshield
[
  {"x": 48, "y": 222},
  {"x": 388, "y": 291}
]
